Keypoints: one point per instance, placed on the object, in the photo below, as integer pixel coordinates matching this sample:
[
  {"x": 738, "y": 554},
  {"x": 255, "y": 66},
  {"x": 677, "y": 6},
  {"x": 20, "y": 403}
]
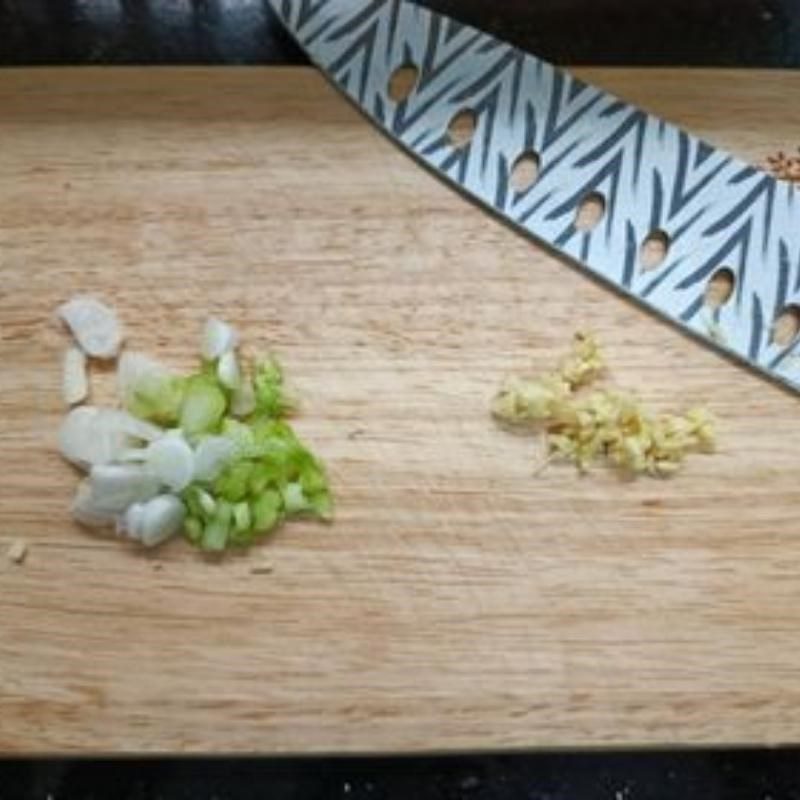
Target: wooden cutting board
[{"x": 458, "y": 601}]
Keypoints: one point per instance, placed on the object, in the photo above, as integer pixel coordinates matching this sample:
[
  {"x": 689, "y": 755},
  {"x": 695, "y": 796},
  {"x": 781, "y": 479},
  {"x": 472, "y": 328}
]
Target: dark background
[
  {"x": 697, "y": 32},
  {"x": 742, "y": 775},
  {"x": 741, "y": 33}
]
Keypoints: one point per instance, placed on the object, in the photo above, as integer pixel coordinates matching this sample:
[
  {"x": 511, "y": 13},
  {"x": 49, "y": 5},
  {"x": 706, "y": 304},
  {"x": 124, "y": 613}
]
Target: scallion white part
[
  {"x": 114, "y": 487},
  {"x": 218, "y": 338},
  {"x": 85, "y": 511},
  {"x": 172, "y": 461},
  {"x": 130, "y": 425},
  {"x": 155, "y": 521},
  {"x": 129, "y": 524},
  {"x": 163, "y": 517},
  {"x": 75, "y": 381},
  {"x": 91, "y": 435},
  {"x": 94, "y": 325},
  {"x": 135, "y": 455}
]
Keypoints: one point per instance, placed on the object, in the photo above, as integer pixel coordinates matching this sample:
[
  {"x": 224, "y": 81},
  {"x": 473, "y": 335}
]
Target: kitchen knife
[{"x": 689, "y": 231}]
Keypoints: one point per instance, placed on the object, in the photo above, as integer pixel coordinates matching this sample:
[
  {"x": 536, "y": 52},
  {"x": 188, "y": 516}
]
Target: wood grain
[{"x": 457, "y": 602}]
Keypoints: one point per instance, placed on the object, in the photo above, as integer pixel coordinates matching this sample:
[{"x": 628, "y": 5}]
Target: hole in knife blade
[
  {"x": 525, "y": 171},
  {"x": 462, "y": 128},
  {"x": 720, "y": 288},
  {"x": 590, "y": 211},
  {"x": 403, "y": 82},
  {"x": 654, "y": 250},
  {"x": 786, "y": 327}
]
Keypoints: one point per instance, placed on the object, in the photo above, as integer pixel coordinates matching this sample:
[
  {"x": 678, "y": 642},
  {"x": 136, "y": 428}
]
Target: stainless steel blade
[{"x": 729, "y": 234}]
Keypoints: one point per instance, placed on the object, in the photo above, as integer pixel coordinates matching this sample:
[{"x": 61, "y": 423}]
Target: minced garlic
[{"x": 582, "y": 427}]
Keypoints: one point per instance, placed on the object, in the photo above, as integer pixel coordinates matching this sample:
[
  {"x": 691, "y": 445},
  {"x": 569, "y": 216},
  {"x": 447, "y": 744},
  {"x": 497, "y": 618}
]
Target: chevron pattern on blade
[{"x": 713, "y": 212}]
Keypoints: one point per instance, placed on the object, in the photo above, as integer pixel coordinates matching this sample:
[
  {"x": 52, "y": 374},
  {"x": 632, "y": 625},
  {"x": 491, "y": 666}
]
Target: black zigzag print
[{"x": 712, "y": 210}]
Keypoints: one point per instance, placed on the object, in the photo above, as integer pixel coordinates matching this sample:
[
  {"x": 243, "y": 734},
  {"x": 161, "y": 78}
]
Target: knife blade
[{"x": 687, "y": 230}]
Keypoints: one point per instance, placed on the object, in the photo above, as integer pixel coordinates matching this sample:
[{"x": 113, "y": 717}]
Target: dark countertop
[
  {"x": 742, "y": 33},
  {"x": 698, "y": 32},
  {"x": 750, "y": 775}
]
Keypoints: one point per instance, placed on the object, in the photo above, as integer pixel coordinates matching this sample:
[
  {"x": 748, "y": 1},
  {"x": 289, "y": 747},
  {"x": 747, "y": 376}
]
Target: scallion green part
[{"x": 264, "y": 475}]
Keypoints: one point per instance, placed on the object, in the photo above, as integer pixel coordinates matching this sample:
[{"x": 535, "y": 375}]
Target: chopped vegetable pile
[
  {"x": 210, "y": 454},
  {"x": 582, "y": 426}
]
